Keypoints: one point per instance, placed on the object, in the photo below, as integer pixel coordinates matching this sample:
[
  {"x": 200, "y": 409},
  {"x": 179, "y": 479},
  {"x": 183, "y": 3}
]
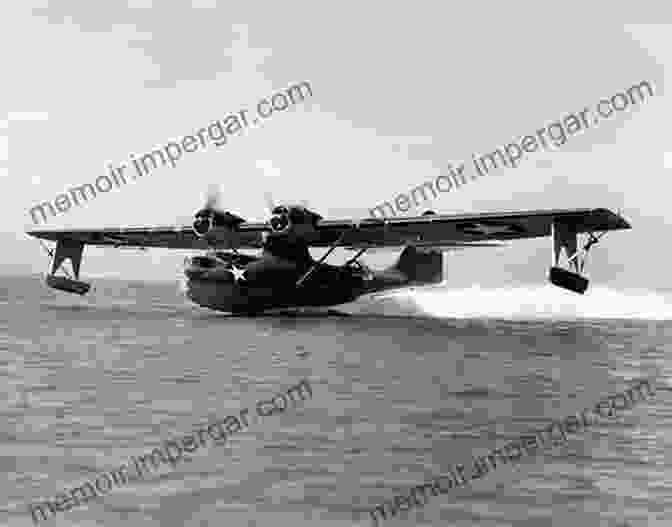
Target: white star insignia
[{"x": 238, "y": 274}]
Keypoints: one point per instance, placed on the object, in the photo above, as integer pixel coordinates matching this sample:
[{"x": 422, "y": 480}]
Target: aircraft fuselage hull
[
  {"x": 271, "y": 282},
  {"x": 236, "y": 298},
  {"x": 268, "y": 283}
]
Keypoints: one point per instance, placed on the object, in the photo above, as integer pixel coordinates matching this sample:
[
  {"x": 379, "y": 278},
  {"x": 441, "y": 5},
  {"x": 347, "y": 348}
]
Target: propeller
[
  {"x": 270, "y": 205},
  {"x": 212, "y": 200},
  {"x": 269, "y": 172},
  {"x": 205, "y": 217},
  {"x": 213, "y": 197}
]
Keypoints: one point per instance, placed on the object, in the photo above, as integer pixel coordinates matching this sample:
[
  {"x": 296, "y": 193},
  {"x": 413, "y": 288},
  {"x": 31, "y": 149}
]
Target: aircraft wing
[
  {"x": 247, "y": 235},
  {"x": 435, "y": 230}
]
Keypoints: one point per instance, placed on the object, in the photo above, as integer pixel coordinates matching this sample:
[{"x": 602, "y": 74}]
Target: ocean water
[{"x": 411, "y": 384}]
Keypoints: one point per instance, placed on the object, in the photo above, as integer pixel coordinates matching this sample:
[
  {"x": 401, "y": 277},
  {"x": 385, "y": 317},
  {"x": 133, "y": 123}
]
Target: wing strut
[
  {"x": 565, "y": 237},
  {"x": 354, "y": 258},
  {"x": 592, "y": 240},
  {"x": 66, "y": 249},
  {"x": 315, "y": 265}
]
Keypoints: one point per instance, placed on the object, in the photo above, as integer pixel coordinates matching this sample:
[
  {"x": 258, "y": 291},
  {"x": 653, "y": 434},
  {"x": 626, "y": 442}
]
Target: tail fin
[{"x": 421, "y": 266}]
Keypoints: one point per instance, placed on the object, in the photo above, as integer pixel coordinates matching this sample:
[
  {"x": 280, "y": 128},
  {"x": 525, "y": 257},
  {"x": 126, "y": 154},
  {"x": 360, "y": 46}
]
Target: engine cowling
[
  {"x": 202, "y": 224},
  {"x": 293, "y": 218},
  {"x": 280, "y": 221},
  {"x": 208, "y": 219}
]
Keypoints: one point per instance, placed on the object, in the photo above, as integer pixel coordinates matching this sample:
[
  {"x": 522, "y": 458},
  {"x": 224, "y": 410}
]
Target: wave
[{"x": 534, "y": 302}]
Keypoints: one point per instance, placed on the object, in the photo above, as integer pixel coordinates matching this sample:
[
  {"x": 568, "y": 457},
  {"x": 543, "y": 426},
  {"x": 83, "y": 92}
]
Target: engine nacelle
[
  {"x": 209, "y": 219},
  {"x": 295, "y": 219}
]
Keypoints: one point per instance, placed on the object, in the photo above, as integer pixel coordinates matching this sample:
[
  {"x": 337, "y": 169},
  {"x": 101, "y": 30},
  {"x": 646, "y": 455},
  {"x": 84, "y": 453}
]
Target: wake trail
[{"x": 538, "y": 302}]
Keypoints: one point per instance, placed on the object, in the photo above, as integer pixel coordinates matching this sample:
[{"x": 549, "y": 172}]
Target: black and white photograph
[{"x": 337, "y": 264}]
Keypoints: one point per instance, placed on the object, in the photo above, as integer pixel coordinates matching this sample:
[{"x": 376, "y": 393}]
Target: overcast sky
[{"x": 399, "y": 90}]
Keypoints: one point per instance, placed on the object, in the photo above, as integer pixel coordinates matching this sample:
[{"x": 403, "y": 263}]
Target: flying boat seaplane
[{"x": 284, "y": 274}]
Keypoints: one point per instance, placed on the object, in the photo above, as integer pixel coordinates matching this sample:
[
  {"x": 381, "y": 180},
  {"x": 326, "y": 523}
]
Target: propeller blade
[
  {"x": 270, "y": 205},
  {"x": 213, "y": 199},
  {"x": 212, "y": 196}
]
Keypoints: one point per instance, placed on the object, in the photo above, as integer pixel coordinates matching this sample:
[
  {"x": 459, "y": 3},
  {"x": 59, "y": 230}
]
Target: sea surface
[{"x": 408, "y": 385}]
